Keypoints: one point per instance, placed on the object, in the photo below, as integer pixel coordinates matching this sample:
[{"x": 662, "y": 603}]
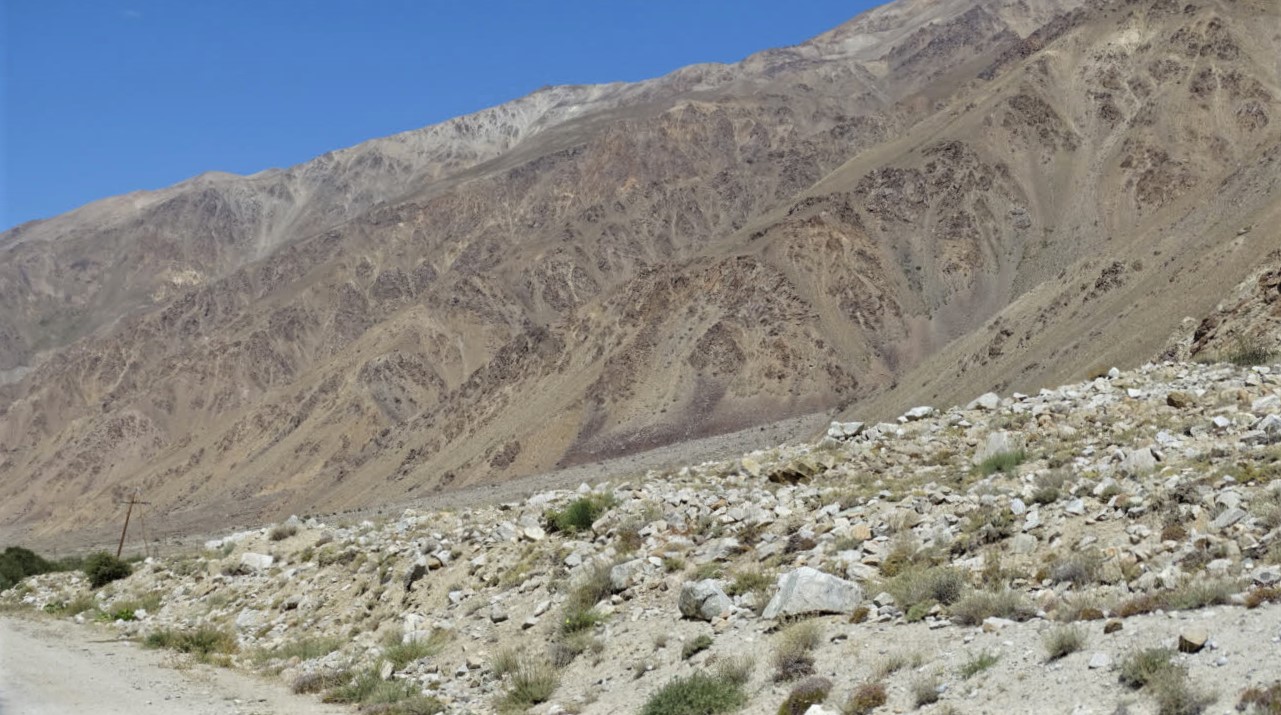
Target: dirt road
[{"x": 52, "y": 667}]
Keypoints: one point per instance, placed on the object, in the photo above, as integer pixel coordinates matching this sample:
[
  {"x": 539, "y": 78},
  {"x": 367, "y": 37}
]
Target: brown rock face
[{"x": 936, "y": 199}]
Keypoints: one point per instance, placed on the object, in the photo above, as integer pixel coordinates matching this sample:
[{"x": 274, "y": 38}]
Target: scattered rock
[
  {"x": 256, "y": 562},
  {"x": 1193, "y": 639},
  {"x": 704, "y": 600},
  {"x": 808, "y": 590}
]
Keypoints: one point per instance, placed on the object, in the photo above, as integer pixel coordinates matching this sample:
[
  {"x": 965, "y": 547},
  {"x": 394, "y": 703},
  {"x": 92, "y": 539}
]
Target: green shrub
[
  {"x": 320, "y": 681},
  {"x": 978, "y": 606},
  {"x": 366, "y": 688},
  {"x": 1004, "y": 462},
  {"x": 303, "y": 649},
  {"x": 865, "y": 698},
  {"x": 793, "y": 655},
  {"x": 1261, "y": 701},
  {"x": 1138, "y": 668},
  {"x": 579, "y": 515},
  {"x": 697, "y": 694},
  {"x": 1154, "y": 670},
  {"x": 580, "y": 608},
  {"x": 203, "y": 642},
  {"x": 280, "y": 532},
  {"x": 402, "y": 654},
  {"x": 696, "y": 646},
  {"x": 1175, "y": 695},
  {"x": 17, "y": 563},
  {"x": 1063, "y": 640},
  {"x": 935, "y": 584},
  {"x": 1249, "y": 351},
  {"x": 925, "y": 690},
  {"x": 505, "y": 661},
  {"x": 532, "y": 682},
  {"x": 102, "y": 568},
  {"x": 978, "y": 664},
  {"x": 811, "y": 691}
]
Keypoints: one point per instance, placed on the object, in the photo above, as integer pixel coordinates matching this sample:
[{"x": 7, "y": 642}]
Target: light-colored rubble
[{"x": 1161, "y": 514}]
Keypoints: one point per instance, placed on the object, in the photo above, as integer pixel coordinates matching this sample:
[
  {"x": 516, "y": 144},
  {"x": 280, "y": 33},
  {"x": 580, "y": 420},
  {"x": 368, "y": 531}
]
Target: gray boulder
[
  {"x": 844, "y": 430},
  {"x": 808, "y": 590},
  {"x": 704, "y": 600},
  {"x": 999, "y": 443},
  {"x": 623, "y": 575},
  {"x": 256, "y": 562}
]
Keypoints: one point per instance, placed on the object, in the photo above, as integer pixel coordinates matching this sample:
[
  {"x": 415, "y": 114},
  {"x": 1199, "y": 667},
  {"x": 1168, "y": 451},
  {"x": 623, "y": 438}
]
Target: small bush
[
  {"x": 319, "y": 681},
  {"x": 792, "y": 656},
  {"x": 1249, "y": 351},
  {"x": 579, "y": 515},
  {"x": 280, "y": 532},
  {"x": 566, "y": 647},
  {"x": 1140, "y": 667},
  {"x": 1078, "y": 569},
  {"x": 865, "y": 698},
  {"x": 580, "y": 608},
  {"x": 974, "y": 608},
  {"x": 1063, "y": 640},
  {"x": 752, "y": 581},
  {"x": 402, "y": 654},
  {"x": 898, "y": 661},
  {"x": 1174, "y": 695},
  {"x": 936, "y": 584},
  {"x": 17, "y": 563},
  {"x": 925, "y": 690},
  {"x": 1261, "y": 701},
  {"x": 102, "y": 568},
  {"x": 203, "y": 643},
  {"x": 1261, "y": 595},
  {"x": 978, "y": 664},
  {"x": 1004, "y": 462},
  {"x": 736, "y": 669},
  {"x": 532, "y": 682},
  {"x": 811, "y": 691},
  {"x": 697, "y": 694},
  {"x": 304, "y": 649},
  {"x": 1193, "y": 595},
  {"x": 504, "y": 661},
  {"x": 367, "y": 688},
  {"x": 696, "y": 646}
]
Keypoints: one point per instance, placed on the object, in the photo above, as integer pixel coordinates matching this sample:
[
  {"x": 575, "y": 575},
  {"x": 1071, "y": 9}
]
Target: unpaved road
[{"x": 50, "y": 667}]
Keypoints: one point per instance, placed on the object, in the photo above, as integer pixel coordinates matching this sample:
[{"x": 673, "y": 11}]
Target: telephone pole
[{"x": 128, "y": 512}]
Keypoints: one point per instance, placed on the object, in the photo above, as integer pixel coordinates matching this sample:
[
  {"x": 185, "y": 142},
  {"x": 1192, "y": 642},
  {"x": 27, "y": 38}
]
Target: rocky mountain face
[
  {"x": 1101, "y": 546},
  {"x": 933, "y": 200}
]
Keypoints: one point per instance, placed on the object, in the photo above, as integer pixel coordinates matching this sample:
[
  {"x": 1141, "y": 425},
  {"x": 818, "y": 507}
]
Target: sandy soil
[{"x": 52, "y": 667}]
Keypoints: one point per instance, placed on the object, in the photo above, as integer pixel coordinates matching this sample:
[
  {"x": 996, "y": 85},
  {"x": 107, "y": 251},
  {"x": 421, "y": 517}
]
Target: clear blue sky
[{"x": 102, "y": 97}]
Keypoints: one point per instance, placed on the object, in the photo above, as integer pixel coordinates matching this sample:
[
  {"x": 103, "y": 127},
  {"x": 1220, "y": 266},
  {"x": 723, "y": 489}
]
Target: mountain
[{"x": 930, "y": 201}]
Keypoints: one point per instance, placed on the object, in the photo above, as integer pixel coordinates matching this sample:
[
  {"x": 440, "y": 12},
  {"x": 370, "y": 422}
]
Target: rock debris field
[{"x": 1112, "y": 546}]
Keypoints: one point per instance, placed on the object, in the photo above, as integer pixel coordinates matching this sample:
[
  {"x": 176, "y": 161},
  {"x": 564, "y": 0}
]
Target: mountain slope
[{"x": 934, "y": 199}]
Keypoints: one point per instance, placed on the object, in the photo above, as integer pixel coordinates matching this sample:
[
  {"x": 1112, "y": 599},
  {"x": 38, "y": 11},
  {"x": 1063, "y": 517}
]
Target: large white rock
[
  {"x": 1138, "y": 462},
  {"x": 917, "y": 413},
  {"x": 844, "y": 430},
  {"x": 256, "y": 562},
  {"x": 1000, "y": 442},
  {"x": 986, "y": 401},
  {"x": 623, "y": 575},
  {"x": 704, "y": 600},
  {"x": 808, "y": 590}
]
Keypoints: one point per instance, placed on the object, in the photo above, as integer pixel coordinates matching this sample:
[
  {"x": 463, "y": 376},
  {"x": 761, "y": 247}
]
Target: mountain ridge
[{"x": 813, "y": 233}]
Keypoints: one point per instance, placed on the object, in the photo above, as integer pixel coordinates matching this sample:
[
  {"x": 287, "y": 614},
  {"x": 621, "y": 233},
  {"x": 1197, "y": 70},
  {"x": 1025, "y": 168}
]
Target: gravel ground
[{"x": 52, "y": 667}]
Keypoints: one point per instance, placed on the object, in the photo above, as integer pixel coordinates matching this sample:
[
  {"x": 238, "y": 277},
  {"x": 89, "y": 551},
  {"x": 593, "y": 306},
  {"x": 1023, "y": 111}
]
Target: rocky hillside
[
  {"x": 934, "y": 200},
  {"x": 1106, "y": 546}
]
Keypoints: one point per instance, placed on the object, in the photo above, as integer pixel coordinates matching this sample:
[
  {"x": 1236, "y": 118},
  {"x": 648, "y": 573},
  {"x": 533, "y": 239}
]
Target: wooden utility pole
[{"x": 128, "y": 512}]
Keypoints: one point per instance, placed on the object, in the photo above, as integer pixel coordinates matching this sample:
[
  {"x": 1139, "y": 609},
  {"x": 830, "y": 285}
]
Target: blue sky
[{"x": 100, "y": 98}]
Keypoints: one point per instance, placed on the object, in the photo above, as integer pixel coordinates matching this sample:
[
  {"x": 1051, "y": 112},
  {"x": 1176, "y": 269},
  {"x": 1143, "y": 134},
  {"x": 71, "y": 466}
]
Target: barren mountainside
[{"x": 932, "y": 200}]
